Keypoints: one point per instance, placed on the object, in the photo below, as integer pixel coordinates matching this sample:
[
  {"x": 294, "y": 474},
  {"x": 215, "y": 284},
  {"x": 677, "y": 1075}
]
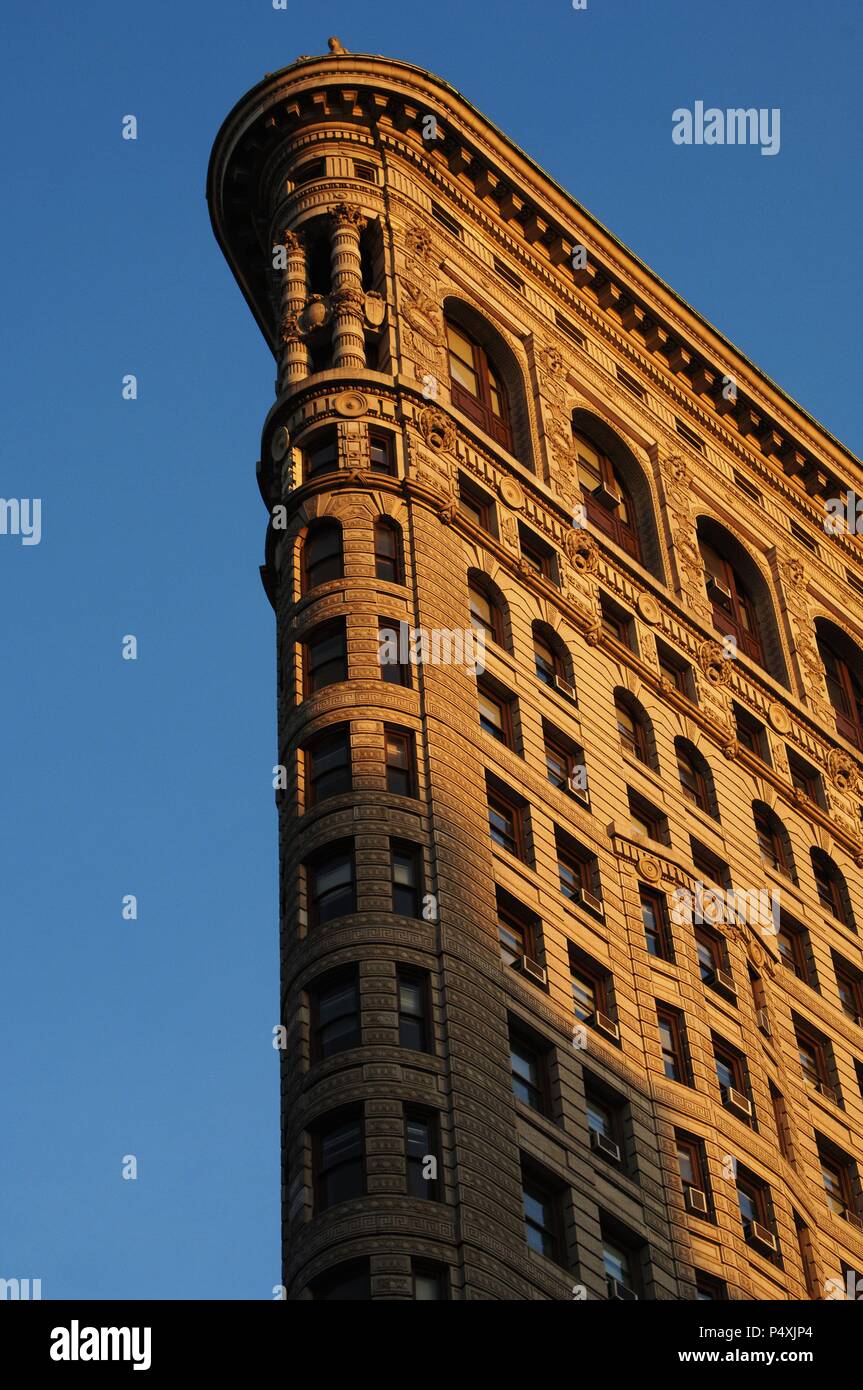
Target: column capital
[{"x": 345, "y": 215}]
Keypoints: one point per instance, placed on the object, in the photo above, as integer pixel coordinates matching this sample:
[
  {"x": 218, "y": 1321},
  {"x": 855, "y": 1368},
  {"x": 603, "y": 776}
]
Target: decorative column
[
  {"x": 295, "y": 363},
  {"x": 347, "y": 299}
]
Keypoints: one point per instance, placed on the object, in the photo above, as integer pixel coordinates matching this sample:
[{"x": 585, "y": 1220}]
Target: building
[{"x": 518, "y": 1065}]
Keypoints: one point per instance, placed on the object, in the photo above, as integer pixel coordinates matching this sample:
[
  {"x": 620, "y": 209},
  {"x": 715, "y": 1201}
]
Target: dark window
[
  {"x": 476, "y": 386},
  {"x": 331, "y": 884},
  {"x": 312, "y": 169},
  {"x": 604, "y": 1113},
  {"x": 692, "y": 1165},
  {"x": 538, "y": 556},
  {"x": 733, "y": 1078},
  {"x": 321, "y": 453},
  {"x": 832, "y": 891},
  {"x": 477, "y": 506},
  {"x": 364, "y": 171},
  {"x": 657, "y": 932},
  {"x": 578, "y": 872},
  {"x": 617, "y": 623},
  {"x": 805, "y": 778},
  {"x": 388, "y": 552},
  {"x": 607, "y": 501},
  {"x": 564, "y": 763},
  {"x": 400, "y": 761},
  {"x": 646, "y": 819},
  {"x": 675, "y": 670},
  {"x": 429, "y": 1280},
  {"x": 328, "y": 764},
  {"x": 346, "y": 1281},
  {"x": 845, "y": 689},
  {"x": 780, "y": 1119},
  {"x": 506, "y": 820},
  {"x": 632, "y": 728},
  {"x": 620, "y": 1261},
  {"x": 591, "y": 988},
  {"x": 406, "y": 864},
  {"x": 394, "y": 652},
  {"x": 849, "y": 983},
  {"x": 495, "y": 712},
  {"x": 756, "y": 1213},
  {"x": 325, "y": 656},
  {"x": 773, "y": 844},
  {"x": 414, "y": 1011},
  {"x": 422, "y": 1153},
  {"x": 335, "y": 1013},
  {"x": 839, "y": 1178},
  {"x": 751, "y": 734},
  {"x": 816, "y": 1062},
  {"x": 486, "y": 614},
  {"x": 518, "y": 930},
  {"x": 695, "y": 780},
  {"x": 322, "y": 554},
  {"x": 733, "y": 607},
  {"x": 529, "y": 1079},
  {"x": 338, "y": 1160},
  {"x": 542, "y": 1221},
  {"x": 550, "y": 661},
  {"x": 708, "y": 864},
  {"x": 709, "y": 1289},
  {"x": 795, "y": 951},
  {"x": 382, "y": 453},
  {"x": 672, "y": 1040},
  {"x": 712, "y": 955}
]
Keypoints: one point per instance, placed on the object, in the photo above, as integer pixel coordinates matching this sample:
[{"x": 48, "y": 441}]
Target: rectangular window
[
  {"x": 620, "y": 1261},
  {"x": 713, "y": 965},
  {"x": 414, "y": 1010},
  {"x": 429, "y": 1280},
  {"x": 338, "y": 1160},
  {"x": 542, "y": 1223},
  {"x": 733, "y": 1077},
  {"x": 321, "y": 454},
  {"x": 617, "y": 623},
  {"x": 365, "y": 171},
  {"x": 529, "y": 1073},
  {"x": 675, "y": 670},
  {"x": 709, "y": 1289},
  {"x": 578, "y": 873},
  {"x": 441, "y": 215},
  {"x": 569, "y": 329},
  {"x": 400, "y": 761},
  {"x": 795, "y": 951},
  {"x": 816, "y": 1061},
  {"x": 331, "y": 884},
  {"x": 849, "y": 984},
  {"x": 708, "y": 864},
  {"x": 538, "y": 556},
  {"x": 693, "y": 440},
  {"x": 805, "y": 778},
  {"x": 476, "y": 505},
  {"x": 647, "y": 821},
  {"x": 692, "y": 1165},
  {"x": 592, "y": 992},
  {"x": 495, "y": 711},
  {"x": 672, "y": 1041},
  {"x": 325, "y": 656},
  {"x": 780, "y": 1119},
  {"x": 657, "y": 931},
  {"x": 564, "y": 763},
  {"x": 382, "y": 452},
  {"x": 756, "y": 1213},
  {"x": 394, "y": 652},
  {"x": 605, "y": 1112},
  {"x": 518, "y": 930},
  {"x": 506, "y": 819},
  {"x": 328, "y": 764},
  {"x": 406, "y": 865},
  {"x": 751, "y": 734},
  {"x": 422, "y": 1154},
  {"x": 335, "y": 1013}
]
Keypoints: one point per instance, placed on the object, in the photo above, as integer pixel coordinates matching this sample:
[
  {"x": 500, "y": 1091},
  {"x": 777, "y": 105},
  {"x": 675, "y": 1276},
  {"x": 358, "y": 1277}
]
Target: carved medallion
[
  {"x": 648, "y": 608},
  {"x": 511, "y": 493},
  {"x": 351, "y": 404}
]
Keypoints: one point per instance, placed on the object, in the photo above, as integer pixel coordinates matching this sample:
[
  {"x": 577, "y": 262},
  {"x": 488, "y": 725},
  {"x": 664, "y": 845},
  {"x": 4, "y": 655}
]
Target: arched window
[
  {"x": 633, "y": 726},
  {"x": 832, "y": 889},
  {"x": 322, "y": 554},
  {"x": 739, "y": 597},
  {"x": 606, "y": 497},
  {"x": 773, "y": 842},
  {"x": 486, "y": 609},
  {"x": 476, "y": 384},
  {"x": 843, "y": 670},
  {"x": 389, "y": 559},
  {"x": 696, "y": 779},
  {"x": 552, "y": 661}
]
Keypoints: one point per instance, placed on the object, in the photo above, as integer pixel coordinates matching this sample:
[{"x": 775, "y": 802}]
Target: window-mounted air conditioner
[
  {"x": 603, "y": 1024},
  {"x": 718, "y": 591},
  {"x": 756, "y": 1234},
  {"x": 763, "y": 1018},
  {"x": 608, "y": 494},
  {"x": 563, "y": 687},
  {"x": 532, "y": 969},
  {"x": 724, "y": 980},
  {"x": 696, "y": 1200},
  {"x": 589, "y": 900},
  {"x": 603, "y": 1145},
  {"x": 736, "y": 1101},
  {"x": 619, "y": 1293}
]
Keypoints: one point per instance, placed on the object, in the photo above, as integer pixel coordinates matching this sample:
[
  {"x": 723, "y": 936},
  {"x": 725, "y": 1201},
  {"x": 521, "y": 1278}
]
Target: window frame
[
  {"x": 333, "y": 734},
  {"x": 610, "y": 517},
  {"x": 320, "y": 861},
  {"x": 384, "y": 525},
  {"x": 331, "y": 982},
  {"x": 327, "y": 1126},
  {"x": 663, "y": 935},
  {"x": 384, "y": 440},
  {"x": 432, "y": 1187},
  {"x": 326, "y": 526},
  {"x": 326, "y": 445},
  {"x": 678, "y": 1051},
  {"x": 420, "y": 980},
  {"x": 412, "y": 855},
  {"x": 478, "y": 405},
  {"x": 407, "y": 739},
  {"x": 311, "y": 669}
]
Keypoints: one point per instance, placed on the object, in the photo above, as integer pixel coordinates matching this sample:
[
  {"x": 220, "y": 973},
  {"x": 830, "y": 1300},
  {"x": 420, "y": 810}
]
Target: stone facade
[{"x": 359, "y": 201}]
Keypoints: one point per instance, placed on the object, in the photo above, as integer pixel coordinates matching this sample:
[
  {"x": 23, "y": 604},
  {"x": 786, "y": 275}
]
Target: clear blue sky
[{"x": 153, "y": 1037}]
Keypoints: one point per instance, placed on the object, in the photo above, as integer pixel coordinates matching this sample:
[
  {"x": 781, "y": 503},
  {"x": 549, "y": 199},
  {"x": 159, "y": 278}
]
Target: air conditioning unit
[
  {"x": 764, "y": 1021},
  {"x": 719, "y": 591},
  {"x": 757, "y": 1234},
  {"x": 533, "y": 970},
  {"x": 608, "y": 494},
  {"x": 564, "y": 688},
  {"x": 589, "y": 900},
  {"x": 696, "y": 1200},
  {"x": 854, "y": 1219},
  {"x": 829, "y": 1092},
  {"x": 724, "y": 980},
  {"x": 619, "y": 1292},
  {"x": 603, "y": 1024},
  {"x": 736, "y": 1101},
  {"x": 604, "y": 1146},
  {"x": 580, "y": 794}
]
